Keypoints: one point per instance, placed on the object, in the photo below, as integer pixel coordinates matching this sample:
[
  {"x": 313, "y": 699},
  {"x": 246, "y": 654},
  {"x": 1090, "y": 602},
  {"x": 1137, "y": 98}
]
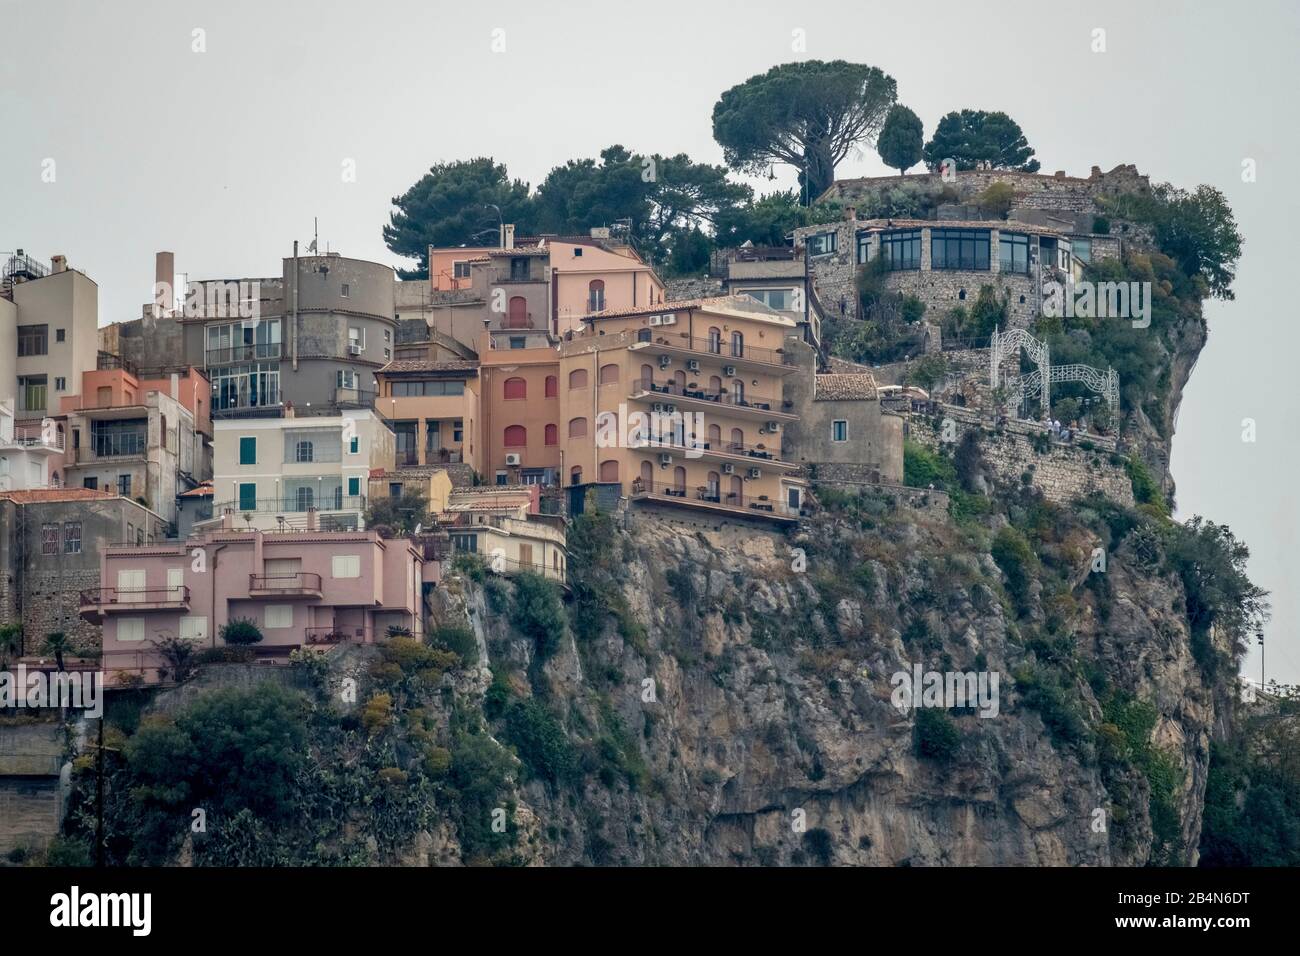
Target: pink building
[{"x": 303, "y": 588}]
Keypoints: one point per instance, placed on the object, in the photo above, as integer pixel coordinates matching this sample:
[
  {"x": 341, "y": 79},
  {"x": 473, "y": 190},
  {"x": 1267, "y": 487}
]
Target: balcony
[
  {"x": 97, "y": 603},
  {"x": 34, "y": 438},
  {"x": 726, "y": 452},
  {"x": 753, "y": 407},
  {"x": 338, "y": 634},
  {"x": 354, "y": 397},
  {"x": 706, "y": 498},
  {"x": 714, "y": 351},
  {"x": 275, "y": 410},
  {"x": 292, "y": 504},
  {"x": 259, "y": 352},
  {"x": 109, "y": 447},
  {"x": 301, "y": 584}
]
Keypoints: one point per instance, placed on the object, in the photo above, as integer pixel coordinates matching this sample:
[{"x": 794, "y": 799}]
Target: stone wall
[
  {"x": 692, "y": 287},
  {"x": 1062, "y": 472}
]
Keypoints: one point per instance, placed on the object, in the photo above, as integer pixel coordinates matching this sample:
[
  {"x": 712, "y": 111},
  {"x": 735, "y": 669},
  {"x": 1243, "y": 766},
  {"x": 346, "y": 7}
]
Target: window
[
  {"x": 552, "y": 435},
  {"x": 778, "y": 299},
  {"x": 354, "y": 487},
  {"x": 60, "y": 384},
  {"x": 130, "y": 629},
  {"x": 426, "y": 389},
  {"x": 715, "y": 341},
  {"x": 91, "y": 483},
  {"x": 345, "y": 566},
  {"x": 737, "y": 345},
  {"x": 72, "y": 537},
  {"x": 124, "y": 485},
  {"x": 503, "y": 478},
  {"x": 609, "y": 470},
  {"x": 31, "y": 393},
  {"x": 175, "y": 584},
  {"x": 839, "y": 430},
  {"x": 302, "y": 452},
  {"x": 864, "y": 247},
  {"x": 1013, "y": 252},
  {"x": 525, "y": 555},
  {"x": 1082, "y": 249},
  {"x": 248, "y": 450},
  {"x": 901, "y": 250},
  {"x": 608, "y": 374},
  {"x": 194, "y": 627},
  {"x": 518, "y": 342},
  {"x": 33, "y": 340},
  {"x": 346, "y": 378},
  {"x": 959, "y": 249},
  {"x": 577, "y": 428},
  {"x": 248, "y": 496},
  {"x": 596, "y": 295},
  {"x": 458, "y": 431},
  {"x": 822, "y": 244},
  {"x": 49, "y": 539},
  {"x": 552, "y": 386},
  {"x": 793, "y": 498},
  {"x": 460, "y": 270},
  {"x": 356, "y": 340},
  {"x": 516, "y": 388},
  {"x": 578, "y": 378},
  {"x": 516, "y": 436},
  {"x": 394, "y": 489},
  {"x": 278, "y": 616},
  {"x": 354, "y": 446},
  {"x": 519, "y": 269},
  {"x": 347, "y": 291},
  {"x": 60, "y": 335}
]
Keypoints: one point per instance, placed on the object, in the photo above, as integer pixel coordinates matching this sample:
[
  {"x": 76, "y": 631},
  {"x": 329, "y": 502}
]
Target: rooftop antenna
[{"x": 315, "y": 236}]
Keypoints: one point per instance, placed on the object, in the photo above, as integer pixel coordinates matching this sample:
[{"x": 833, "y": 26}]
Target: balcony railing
[
  {"x": 762, "y": 404},
  {"x": 275, "y": 410},
  {"x": 260, "y": 351},
  {"x": 711, "y": 495},
  {"x": 739, "y": 449},
  {"x": 111, "y": 446},
  {"x": 722, "y": 349},
  {"x": 300, "y": 582},
  {"x": 178, "y": 596},
  {"x": 293, "y": 503},
  {"x": 36, "y": 437},
  {"x": 337, "y": 634}
]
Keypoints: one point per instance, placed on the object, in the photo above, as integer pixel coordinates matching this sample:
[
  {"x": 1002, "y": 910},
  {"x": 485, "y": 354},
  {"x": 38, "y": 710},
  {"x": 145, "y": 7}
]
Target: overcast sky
[{"x": 224, "y": 156}]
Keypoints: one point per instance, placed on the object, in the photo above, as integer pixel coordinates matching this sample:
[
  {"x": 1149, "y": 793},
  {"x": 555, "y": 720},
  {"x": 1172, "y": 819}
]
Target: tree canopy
[
  {"x": 448, "y": 206},
  {"x": 971, "y": 137},
  {"x": 809, "y": 115},
  {"x": 901, "y": 138}
]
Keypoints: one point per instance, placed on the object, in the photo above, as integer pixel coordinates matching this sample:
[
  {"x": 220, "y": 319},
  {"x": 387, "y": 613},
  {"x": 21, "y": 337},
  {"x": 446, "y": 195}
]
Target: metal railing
[
  {"x": 295, "y": 583},
  {"x": 292, "y": 503},
  {"x": 275, "y": 410},
  {"x": 759, "y": 403},
  {"x": 709, "y": 495},
  {"x": 336, "y": 634},
  {"x": 739, "y": 449},
  {"x": 101, "y": 597},
  {"x": 244, "y": 353}
]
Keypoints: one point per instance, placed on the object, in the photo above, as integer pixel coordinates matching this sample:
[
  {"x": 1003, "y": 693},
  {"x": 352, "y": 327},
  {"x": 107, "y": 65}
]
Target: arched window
[
  {"x": 679, "y": 382},
  {"x": 738, "y": 392},
  {"x": 713, "y": 486},
  {"x": 578, "y": 378},
  {"x": 596, "y": 295},
  {"x": 715, "y": 436},
  {"x": 552, "y": 386},
  {"x": 608, "y": 374},
  {"x": 552, "y": 435},
  {"x": 516, "y": 388},
  {"x": 647, "y": 376},
  {"x": 518, "y": 316},
  {"x": 737, "y": 345},
  {"x": 647, "y": 474},
  {"x": 715, "y": 385},
  {"x": 715, "y": 341},
  {"x": 737, "y": 440},
  {"x": 679, "y": 480},
  {"x": 737, "y": 495},
  {"x": 575, "y": 475},
  {"x": 609, "y": 470},
  {"x": 303, "y": 451},
  {"x": 577, "y": 428},
  {"x": 516, "y": 436}
]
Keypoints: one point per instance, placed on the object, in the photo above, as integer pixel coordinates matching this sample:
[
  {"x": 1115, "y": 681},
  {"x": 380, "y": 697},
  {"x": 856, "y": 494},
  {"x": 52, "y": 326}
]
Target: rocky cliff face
[{"x": 728, "y": 692}]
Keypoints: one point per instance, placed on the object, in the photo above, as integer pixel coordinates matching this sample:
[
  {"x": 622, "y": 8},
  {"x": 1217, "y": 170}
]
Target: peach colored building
[
  {"x": 682, "y": 404},
  {"x": 301, "y": 588},
  {"x": 433, "y": 408}
]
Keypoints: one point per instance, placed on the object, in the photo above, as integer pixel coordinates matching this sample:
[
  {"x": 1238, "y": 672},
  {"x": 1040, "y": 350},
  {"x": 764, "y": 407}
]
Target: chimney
[
  {"x": 313, "y": 520},
  {"x": 58, "y": 263},
  {"x": 176, "y": 385},
  {"x": 164, "y": 274},
  {"x": 1096, "y": 173},
  {"x": 850, "y": 213},
  {"x": 1060, "y": 174},
  {"x": 508, "y": 236}
]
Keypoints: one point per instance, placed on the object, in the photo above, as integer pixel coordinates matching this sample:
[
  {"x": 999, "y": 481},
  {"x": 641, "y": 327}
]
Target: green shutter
[
  {"x": 248, "y": 496},
  {"x": 248, "y": 451},
  {"x": 354, "y": 487}
]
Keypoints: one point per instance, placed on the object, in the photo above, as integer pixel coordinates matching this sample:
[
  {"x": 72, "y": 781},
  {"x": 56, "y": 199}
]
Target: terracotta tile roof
[
  {"x": 40, "y": 495},
  {"x": 204, "y": 490},
  {"x": 520, "y": 251},
  {"x": 398, "y": 366},
  {"x": 842, "y": 386}
]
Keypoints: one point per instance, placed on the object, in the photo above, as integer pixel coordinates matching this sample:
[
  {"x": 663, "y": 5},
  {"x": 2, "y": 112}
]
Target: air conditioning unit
[
  {"x": 669, "y": 409},
  {"x": 657, "y": 407},
  {"x": 514, "y": 458},
  {"x": 692, "y": 365},
  {"x": 665, "y": 361},
  {"x": 772, "y": 426},
  {"x": 670, "y": 319},
  {"x": 729, "y": 371},
  {"x": 354, "y": 349},
  {"x": 656, "y": 320},
  {"x": 665, "y": 459},
  {"x": 754, "y": 473},
  {"x": 728, "y": 468}
]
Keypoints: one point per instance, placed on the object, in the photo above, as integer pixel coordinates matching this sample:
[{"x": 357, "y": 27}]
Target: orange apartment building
[{"x": 681, "y": 404}]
